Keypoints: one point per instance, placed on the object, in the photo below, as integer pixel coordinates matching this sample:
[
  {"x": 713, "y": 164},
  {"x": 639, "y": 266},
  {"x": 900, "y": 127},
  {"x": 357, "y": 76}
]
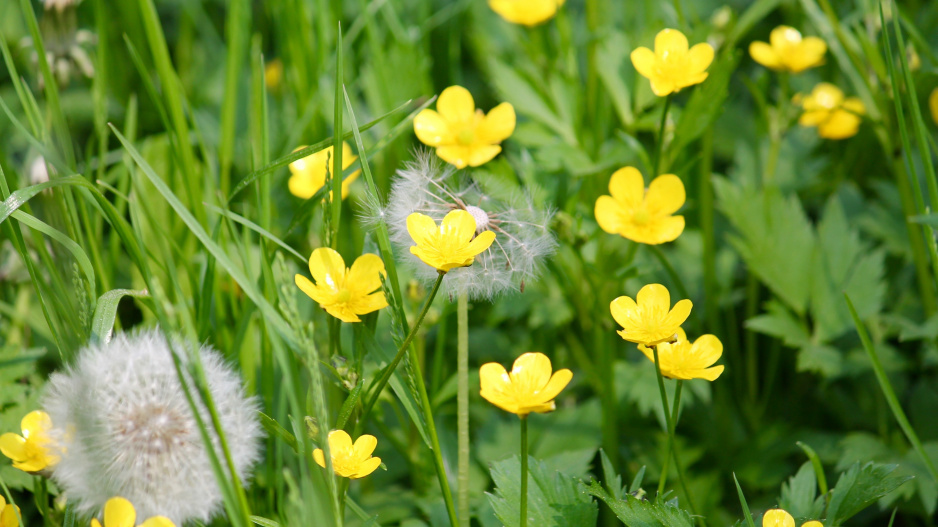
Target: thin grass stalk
[
  {"x": 462, "y": 407},
  {"x": 236, "y": 37},
  {"x": 659, "y": 146},
  {"x": 523, "y": 521},
  {"x": 337, "y": 142},
  {"x": 668, "y": 422}
]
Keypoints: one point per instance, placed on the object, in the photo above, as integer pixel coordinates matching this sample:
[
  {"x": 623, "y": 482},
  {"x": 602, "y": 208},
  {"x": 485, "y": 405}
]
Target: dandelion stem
[
  {"x": 524, "y": 471},
  {"x": 462, "y": 407},
  {"x": 386, "y": 375},
  {"x": 660, "y": 144},
  {"x": 667, "y": 418}
]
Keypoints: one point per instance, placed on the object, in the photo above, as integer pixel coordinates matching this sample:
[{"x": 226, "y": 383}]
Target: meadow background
[{"x": 210, "y": 98}]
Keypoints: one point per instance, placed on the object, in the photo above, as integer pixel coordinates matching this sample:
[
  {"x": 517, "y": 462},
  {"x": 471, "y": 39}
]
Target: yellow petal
[
  {"x": 339, "y": 440},
  {"x": 812, "y": 523},
  {"x": 670, "y": 43},
  {"x": 777, "y": 518},
  {"x": 8, "y": 516},
  {"x": 608, "y": 214},
  {"x": 663, "y": 230},
  {"x": 319, "y": 458},
  {"x": 783, "y": 37},
  {"x": 158, "y": 521},
  {"x": 481, "y": 243},
  {"x": 627, "y": 186},
  {"x": 431, "y": 129},
  {"x": 558, "y": 381},
  {"x": 679, "y": 312},
  {"x": 624, "y": 310},
  {"x": 824, "y": 96},
  {"x": 365, "y": 275},
  {"x": 365, "y": 446},
  {"x": 699, "y": 58},
  {"x": 765, "y": 55},
  {"x": 706, "y": 350},
  {"x": 654, "y": 296},
  {"x": 348, "y": 156},
  {"x": 644, "y": 61},
  {"x": 497, "y": 126},
  {"x": 327, "y": 267},
  {"x": 95, "y": 522},
  {"x": 422, "y": 228},
  {"x": 13, "y": 446},
  {"x": 814, "y": 118},
  {"x": 458, "y": 225},
  {"x": 457, "y": 155},
  {"x": 456, "y": 106},
  {"x": 840, "y": 125},
  {"x": 118, "y": 512},
  {"x": 341, "y": 311},
  {"x": 854, "y": 105},
  {"x": 708, "y": 374},
  {"x": 933, "y": 105},
  {"x": 662, "y": 86},
  {"x": 367, "y": 467},
  {"x": 35, "y": 422},
  {"x": 809, "y": 54},
  {"x": 303, "y": 187},
  {"x": 366, "y": 304},
  {"x": 665, "y": 195},
  {"x": 482, "y": 154},
  {"x": 529, "y": 373},
  {"x": 319, "y": 295}
]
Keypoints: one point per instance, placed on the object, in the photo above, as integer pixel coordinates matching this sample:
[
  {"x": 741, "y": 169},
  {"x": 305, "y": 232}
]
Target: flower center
[
  {"x": 343, "y": 296},
  {"x": 481, "y": 217},
  {"x": 465, "y": 137},
  {"x": 641, "y": 217}
]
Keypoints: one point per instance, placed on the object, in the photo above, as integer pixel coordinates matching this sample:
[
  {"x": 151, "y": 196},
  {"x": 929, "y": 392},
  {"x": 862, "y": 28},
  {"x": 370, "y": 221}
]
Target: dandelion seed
[
  {"x": 523, "y": 238},
  {"x": 127, "y": 429}
]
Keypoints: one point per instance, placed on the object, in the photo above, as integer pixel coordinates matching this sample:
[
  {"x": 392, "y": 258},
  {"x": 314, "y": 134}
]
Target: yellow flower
[
  {"x": 787, "y": 51},
  {"x": 529, "y": 387},
  {"x": 526, "y": 12},
  {"x": 933, "y": 105},
  {"x": 309, "y": 173},
  {"x": 461, "y": 134},
  {"x": 641, "y": 215},
  {"x": 34, "y": 450},
  {"x": 118, "y": 512},
  {"x": 348, "y": 460},
  {"x": 450, "y": 244},
  {"x": 344, "y": 293},
  {"x": 671, "y": 66},
  {"x": 683, "y": 360},
  {"x": 273, "y": 74},
  {"x": 836, "y": 117},
  {"x": 812, "y": 523},
  {"x": 651, "y": 320},
  {"x": 8, "y": 514},
  {"x": 777, "y": 518}
]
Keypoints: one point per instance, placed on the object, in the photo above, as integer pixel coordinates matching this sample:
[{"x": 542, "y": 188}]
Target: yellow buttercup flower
[
  {"x": 309, "y": 173},
  {"x": 349, "y": 460},
  {"x": 812, "y": 523},
  {"x": 344, "y": 293},
  {"x": 119, "y": 512},
  {"x": 788, "y": 51},
  {"x": 672, "y": 66},
  {"x": 449, "y": 245},
  {"x": 8, "y": 514},
  {"x": 683, "y": 360},
  {"x": 526, "y": 12},
  {"x": 777, "y": 518},
  {"x": 461, "y": 134},
  {"x": 273, "y": 74},
  {"x": 834, "y": 116},
  {"x": 643, "y": 216},
  {"x": 649, "y": 319},
  {"x": 933, "y": 105},
  {"x": 530, "y": 387},
  {"x": 34, "y": 450}
]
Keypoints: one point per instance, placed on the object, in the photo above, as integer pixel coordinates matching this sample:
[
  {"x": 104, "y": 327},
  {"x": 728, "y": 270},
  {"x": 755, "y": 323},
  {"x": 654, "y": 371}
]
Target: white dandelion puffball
[
  {"x": 522, "y": 234},
  {"x": 127, "y": 430}
]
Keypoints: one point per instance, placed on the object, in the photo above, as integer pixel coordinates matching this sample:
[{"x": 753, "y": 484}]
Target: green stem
[
  {"x": 676, "y": 278},
  {"x": 462, "y": 407},
  {"x": 675, "y": 413},
  {"x": 660, "y": 144},
  {"x": 524, "y": 471},
  {"x": 667, "y": 418},
  {"x": 386, "y": 375}
]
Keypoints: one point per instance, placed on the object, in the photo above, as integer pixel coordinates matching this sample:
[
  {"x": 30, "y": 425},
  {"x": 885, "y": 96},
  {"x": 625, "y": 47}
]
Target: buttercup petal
[
  {"x": 679, "y": 312},
  {"x": 364, "y": 277},
  {"x": 457, "y": 155},
  {"x": 840, "y": 125},
  {"x": 666, "y": 230},
  {"x": 654, "y": 296},
  {"x": 342, "y": 312},
  {"x": 482, "y": 154},
  {"x": 854, "y": 105},
  {"x": 933, "y": 105},
  {"x": 8, "y": 516},
  {"x": 422, "y": 228},
  {"x": 118, "y": 512},
  {"x": 627, "y": 186},
  {"x": 663, "y": 87},
  {"x": 699, "y": 57},
  {"x": 813, "y": 118},
  {"x": 13, "y": 446},
  {"x": 765, "y": 55},
  {"x": 339, "y": 440},
  {"x": 458, "y": 224},
  {"x": 558, "y": 381},
  {"x": 158, "y": 521},
  {"x": 456, "y": 106},
  {"x": 706, "y": 350},
  {"x": 811, "y": 54},
  {"x": 481, "y": 243},
  {"x": 644, "y": 61},
  {"x": 498, "y": 125},
  {"x": 665, "y": 195},
  {"x": 708, "y": 374},
  {"x": 369, "y": 303},
  {"x": 530, "y": 372},
  {"x": 431, "y": 129},
  {"x": 624, "y": 310},
  {"x": 35, "y": 422},
  {"x": 327, "y": 267},
  {"x": 784, "y": 36},
  {"x": 670, "y": 43},
  {"x": 608, "y": 214},
  {"x": 316, "y": 293},
  {"x": 367, "y": 467},
  {"x": 319, "y": 458},
  {"x": 777, "y": 518},
  {"x": 302, "y": 187},
  {"x": 812, "y": 523},
  {"x": 365, "y": 446}
]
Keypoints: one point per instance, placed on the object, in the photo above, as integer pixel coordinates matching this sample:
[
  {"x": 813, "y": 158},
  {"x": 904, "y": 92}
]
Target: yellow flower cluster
[
  {"x": 788, "y": 51},
  {"x": 526, "y": 12},
  {"x": 34, "y": 450},
  {"x": 349, "y": 460},
  {"x": 9, "y": 514},
  {"x": 119, "y": 512},
  {"x": 835, "y": 116},
  {"x": 308, "y": 174},
  {"x": 781, "y": 518}
]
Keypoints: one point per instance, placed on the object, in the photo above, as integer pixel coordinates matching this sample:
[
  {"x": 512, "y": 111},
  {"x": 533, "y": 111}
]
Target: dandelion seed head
[
  {"x": 126, "y": 428},
  {"x": 522, "y": 235}
]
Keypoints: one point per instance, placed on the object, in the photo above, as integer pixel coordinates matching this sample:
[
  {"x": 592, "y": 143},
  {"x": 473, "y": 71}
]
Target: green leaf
[
  {"x": 635, "y": 512},
  {"x": 705, "y": 104},
  {"x": 611, "y": 56},
  {"x": 779, "y": 322},
  {"x": 799, "y": 493},
  {"x": 775, "y": 238},
  {"x": 826, "y": 360},
  {"x": 743, "y": 503},
  {"x": 554, "y": 499},
  {"x": 525, "y": 98},
  {"x": 274, "y": 429},
  {"x": 613, "y": 480},
  {"x": 106, "y": 311},
  {"x": 859, "y": 487}
]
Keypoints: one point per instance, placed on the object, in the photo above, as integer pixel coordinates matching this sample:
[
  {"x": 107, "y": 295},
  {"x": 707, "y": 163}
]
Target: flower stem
[
  {"x": 524, "y": 471},
  {"x": 462, "y": 406},
  {"x": 667, "y": 418},
  {"x": 386, "y": 375},
  {"x": 660, "y": 145}
]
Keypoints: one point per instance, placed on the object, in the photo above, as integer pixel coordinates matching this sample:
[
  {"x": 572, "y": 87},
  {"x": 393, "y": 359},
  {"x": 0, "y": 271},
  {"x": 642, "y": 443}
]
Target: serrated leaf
[
  {"x": 554, "y": 499},
  {"x": 826, "y": 360},
  {"x": 859, "y": 487},
  {"x": 799, "y": 493},
  {"x": 779, "y": 322},
  {"x": 613, "y": 480},
  {"x": 636, "y": 512}
]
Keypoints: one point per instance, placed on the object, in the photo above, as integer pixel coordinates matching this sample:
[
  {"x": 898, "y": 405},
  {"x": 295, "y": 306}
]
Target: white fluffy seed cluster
[
  {"x": 127, "y": 429},
  {"x": 522, "y": 233}
]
